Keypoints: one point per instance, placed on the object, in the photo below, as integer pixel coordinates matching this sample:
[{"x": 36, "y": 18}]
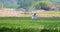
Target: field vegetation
[{"x": 26, "y": 24}]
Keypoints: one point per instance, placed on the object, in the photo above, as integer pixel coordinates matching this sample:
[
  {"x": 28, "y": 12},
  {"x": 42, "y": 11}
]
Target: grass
[{"x": 27, "y": 23}]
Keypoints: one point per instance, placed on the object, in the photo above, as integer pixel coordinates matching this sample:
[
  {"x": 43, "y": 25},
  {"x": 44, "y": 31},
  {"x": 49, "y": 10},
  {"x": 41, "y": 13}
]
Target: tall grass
[
  {"x": 5, "y": 29},
  {"x": 26, "y": 24}
]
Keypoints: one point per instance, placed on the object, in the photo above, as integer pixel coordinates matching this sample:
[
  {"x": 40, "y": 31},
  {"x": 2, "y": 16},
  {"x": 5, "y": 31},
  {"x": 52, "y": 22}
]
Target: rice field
[{"x": 28, "y": 22}]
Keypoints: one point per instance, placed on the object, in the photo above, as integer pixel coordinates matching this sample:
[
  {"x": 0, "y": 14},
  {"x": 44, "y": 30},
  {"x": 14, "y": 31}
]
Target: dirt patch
[{"x": 13, "y": 13}]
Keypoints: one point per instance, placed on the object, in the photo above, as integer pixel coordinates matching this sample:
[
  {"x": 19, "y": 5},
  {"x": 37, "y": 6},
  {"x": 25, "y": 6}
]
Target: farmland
[{"x": 27, "y": 22}]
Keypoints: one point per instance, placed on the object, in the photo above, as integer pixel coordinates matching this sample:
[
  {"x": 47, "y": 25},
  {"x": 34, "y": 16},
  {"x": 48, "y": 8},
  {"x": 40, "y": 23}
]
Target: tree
[{"x": 28, "y": 5}]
